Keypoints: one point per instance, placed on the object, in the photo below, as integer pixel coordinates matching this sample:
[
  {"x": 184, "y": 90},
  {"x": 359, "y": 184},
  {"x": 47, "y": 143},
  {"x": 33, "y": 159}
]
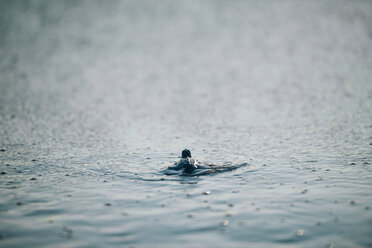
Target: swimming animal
[
  {"x": 189, "y": 166},
  {"x": 186, "y": 163}
]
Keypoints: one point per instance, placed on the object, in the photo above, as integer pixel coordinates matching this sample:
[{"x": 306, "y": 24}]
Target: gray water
[{"x": 97, "y": 98}]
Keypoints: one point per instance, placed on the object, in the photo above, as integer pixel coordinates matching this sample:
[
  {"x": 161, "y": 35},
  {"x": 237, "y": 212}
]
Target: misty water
[{"x": 98, "y": 98}]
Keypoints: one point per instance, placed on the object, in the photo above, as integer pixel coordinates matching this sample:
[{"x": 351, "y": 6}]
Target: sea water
[{"x": 97, "y": 98}]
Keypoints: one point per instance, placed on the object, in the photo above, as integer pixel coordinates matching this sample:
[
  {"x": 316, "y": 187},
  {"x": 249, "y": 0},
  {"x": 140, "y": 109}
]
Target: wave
[{"x": 206, "y": 169}]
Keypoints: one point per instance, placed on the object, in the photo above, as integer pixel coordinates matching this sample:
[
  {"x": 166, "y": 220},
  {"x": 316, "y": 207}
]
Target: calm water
[{"x": 97, "y": 98}]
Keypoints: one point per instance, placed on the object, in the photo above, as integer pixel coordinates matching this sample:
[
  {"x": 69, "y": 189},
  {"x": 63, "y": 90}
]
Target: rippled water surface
[{"x": 97, "y": 98}]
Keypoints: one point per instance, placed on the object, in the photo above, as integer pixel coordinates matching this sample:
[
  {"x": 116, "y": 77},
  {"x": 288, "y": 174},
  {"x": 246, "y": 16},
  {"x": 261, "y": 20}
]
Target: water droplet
[
  {"x": 300, "y": 232},
  {"x": 330, "y": 245},
  {"x": 224, "y": 223}
]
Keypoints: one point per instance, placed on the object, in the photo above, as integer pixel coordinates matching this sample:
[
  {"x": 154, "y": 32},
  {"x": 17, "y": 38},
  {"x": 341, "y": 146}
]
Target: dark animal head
[{"x": 186, "y": 153}]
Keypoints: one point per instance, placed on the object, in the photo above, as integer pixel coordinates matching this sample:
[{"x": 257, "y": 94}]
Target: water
[{"x": 98, "y": 98}]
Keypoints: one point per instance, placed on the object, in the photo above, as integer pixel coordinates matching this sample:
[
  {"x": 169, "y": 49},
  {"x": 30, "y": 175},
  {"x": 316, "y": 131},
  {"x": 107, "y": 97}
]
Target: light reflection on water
[{"x": 97, "y": 99}]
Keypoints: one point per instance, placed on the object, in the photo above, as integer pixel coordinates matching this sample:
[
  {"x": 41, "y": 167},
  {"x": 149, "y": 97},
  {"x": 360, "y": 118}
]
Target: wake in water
[
  {"x": 204, "y": 170},
  {"x": 188, "y": 166}
]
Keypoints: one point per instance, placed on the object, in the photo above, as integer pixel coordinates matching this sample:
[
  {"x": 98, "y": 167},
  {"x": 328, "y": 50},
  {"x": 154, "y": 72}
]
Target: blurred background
[{"x": 169, "y": 74}]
